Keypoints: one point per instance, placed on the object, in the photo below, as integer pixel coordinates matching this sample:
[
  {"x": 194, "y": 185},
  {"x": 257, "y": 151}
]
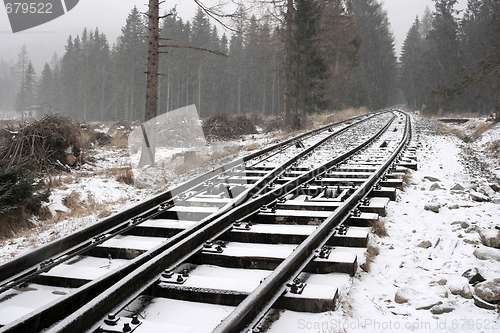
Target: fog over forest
[{"x": 444, "y": 64}]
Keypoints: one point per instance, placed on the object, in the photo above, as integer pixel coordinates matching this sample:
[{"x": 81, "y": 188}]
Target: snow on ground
[
  {"x": 100, "y": 189},
  {"x": 421, "y": 261},
  {"x": 415, "y": 282}
]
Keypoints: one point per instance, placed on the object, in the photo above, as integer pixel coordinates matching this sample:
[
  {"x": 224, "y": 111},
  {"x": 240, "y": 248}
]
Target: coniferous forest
[{"x": 335, "y": 54}]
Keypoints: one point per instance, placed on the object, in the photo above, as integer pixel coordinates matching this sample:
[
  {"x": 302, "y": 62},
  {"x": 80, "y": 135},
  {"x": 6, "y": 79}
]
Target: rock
[
  {"x": 496, "y": 200},
  {"x": 425, "y": 244},
  {"x": 488, "y": 291},
  {"x": 457, "y": 187},
  {"x": 486, "y": 191},
  {"x": 473, "y": 276},
  {"x": 435, "y": 187},
  {"x": 490, "y": 238},
  {"x": 452, "y": 207},
  {"x": 472, "y": 229},
  {"x": 432, "y": 179},
  {"x": 428, "y": 306},
  {"x": 495, "y": 187},
  {"x": 483, "y": 304},
  {"x": 461, "y": 289},
  {"x": 478, "y": 197},
  {"x": 433, "y": 207},
  {"x": 487, "y": 253},
  {"x": 464, "y": 225},
  {"x": 70, "y": 159},
  {"x": 441, "y": 308},
  {"x": 404, "y": 295}
]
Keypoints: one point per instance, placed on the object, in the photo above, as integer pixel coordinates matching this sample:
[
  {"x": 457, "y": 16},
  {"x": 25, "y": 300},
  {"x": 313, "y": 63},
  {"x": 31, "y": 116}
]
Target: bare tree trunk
[
  {"x": 149, "y": 130},
  {"x": 168, "y": 84},
  {"x": 288, "y": 63}
]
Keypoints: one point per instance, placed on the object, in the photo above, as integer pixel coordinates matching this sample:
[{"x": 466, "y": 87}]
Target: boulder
[
  {"x": 490, "y": 238},
  {"x": 432, "y": 179},
  {"x": 425, "y": 244},
  {"x": 404, "y": 295},
  {"x": 429, "y": 305},
  {"x": 486, "y": 190},
  {"x": 435, "y": 187},
  {"x": 472, "y": 229},
  {"x": 483, "y": 304},
  {"x": 495, "y": 187},
  {"x": 433, "y": 207},
  {"x": 457, "y": 187},
  {"x": 441, "y": 308},
  {"x": 473, "y": 276},
  {"x": 461, "y": 289},
  {"x": 478, "y": 197},
  {"x": 487, "y": 253},
  {"x": 488, "y": 290}
]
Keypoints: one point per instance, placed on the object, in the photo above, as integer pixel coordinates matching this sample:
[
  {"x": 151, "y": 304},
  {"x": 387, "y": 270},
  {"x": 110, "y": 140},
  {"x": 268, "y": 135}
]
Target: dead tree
[{"x": 148, "y": 130}]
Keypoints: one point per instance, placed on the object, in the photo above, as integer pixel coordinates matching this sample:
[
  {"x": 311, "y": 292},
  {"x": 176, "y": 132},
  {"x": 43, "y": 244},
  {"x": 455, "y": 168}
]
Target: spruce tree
[{"x": 411, "y": 59}]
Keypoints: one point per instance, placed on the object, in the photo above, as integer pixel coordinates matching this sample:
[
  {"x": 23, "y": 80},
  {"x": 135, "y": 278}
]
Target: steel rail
[
  {"x": 45, "y": 316},
  {"x": 266, "y": 294},
  {"x": 20, "y": 269},
  {"x": 146, "y": 275}
]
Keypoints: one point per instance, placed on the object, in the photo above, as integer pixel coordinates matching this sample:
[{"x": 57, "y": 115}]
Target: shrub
[{"x": 21, "y": 197}]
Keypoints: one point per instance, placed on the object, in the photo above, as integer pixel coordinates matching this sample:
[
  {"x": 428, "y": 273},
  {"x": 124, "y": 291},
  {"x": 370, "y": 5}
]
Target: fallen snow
[{"x": 425, "y": 275}]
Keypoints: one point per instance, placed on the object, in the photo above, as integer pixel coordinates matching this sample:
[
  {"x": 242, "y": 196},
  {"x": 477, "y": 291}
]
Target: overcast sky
[{"x": 110, "y": 16}]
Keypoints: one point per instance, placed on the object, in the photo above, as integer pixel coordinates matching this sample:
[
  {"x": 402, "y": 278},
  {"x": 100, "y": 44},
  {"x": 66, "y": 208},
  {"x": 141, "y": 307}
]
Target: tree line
[
  {"x": 453, "y": 64},
  {"x": 330, "y": 54}
]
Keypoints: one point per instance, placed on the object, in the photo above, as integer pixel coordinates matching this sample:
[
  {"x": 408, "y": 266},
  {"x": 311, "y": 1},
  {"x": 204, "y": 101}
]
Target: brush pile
[
  {"x": 225, "y": 127},
  {"x": 53, "y": 143}
]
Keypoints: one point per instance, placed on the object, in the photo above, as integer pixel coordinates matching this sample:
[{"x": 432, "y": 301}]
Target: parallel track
[{"x": 205, "y": 211}]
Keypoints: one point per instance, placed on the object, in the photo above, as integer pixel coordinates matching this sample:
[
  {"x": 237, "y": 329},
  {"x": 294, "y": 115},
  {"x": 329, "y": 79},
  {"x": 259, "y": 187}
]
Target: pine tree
[
  {"x": 442, "y": 61},
  {"x": 129, "y": 68},
  {"x": 310, "y": 69},
  {"x": 412, "y": 61},
  {"x": 480, "y": 48},
  {"x": 46, "y": 87},
  {"x": 26, "y": 96},
  {"x": 8, "y": 86},
  {"x": 372, "y": 83},
  {"x": 22, "y": 68}
]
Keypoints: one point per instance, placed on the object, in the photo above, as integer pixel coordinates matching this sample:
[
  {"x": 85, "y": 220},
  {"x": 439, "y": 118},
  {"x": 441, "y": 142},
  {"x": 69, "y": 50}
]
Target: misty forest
[{"x": 320, "y": 55}]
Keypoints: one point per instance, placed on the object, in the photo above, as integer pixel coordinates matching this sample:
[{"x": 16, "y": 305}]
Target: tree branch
[{"x": 194, "y": 48}]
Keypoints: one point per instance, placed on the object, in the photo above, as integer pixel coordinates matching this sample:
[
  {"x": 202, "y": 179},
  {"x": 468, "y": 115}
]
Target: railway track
[{"x": 269, "y": 232}]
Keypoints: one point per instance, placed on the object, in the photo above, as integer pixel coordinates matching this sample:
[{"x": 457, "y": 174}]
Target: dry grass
[
  {"x": 124, "y": 175},
  {"x": 406, "y": 179},
  {"x": 477, "y": 131},
  {"x": 378, "y": 227},
  {"x": 119, "y": 141},
  {"x": 345, "y": 303},
  {"x": 318, "y": 119},
  {"x": 84, "y": 207},
  {"x": 190, "y": 163},
  {"x": 494, "y": 148},
  {"x": 371, "y": 253},
  {"x": 444, "y": 129},
  {"x": 252, "y": 146},
  {"x": 12, "y": 225},
  {"x": 73, "y": 201},
  {"x": 334, "y": 116},
  {"x": 480, "y": 130}
]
